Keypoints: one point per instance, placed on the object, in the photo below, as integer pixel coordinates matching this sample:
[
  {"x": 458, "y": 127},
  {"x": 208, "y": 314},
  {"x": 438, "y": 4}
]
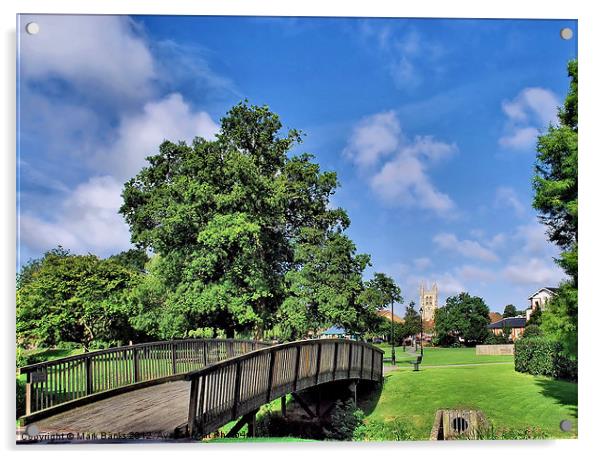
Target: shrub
[
  {"x": 274, "y": 425},
  {"x": 21, "y": 358},
  {"x": 344, "y": 420},
  {"x": 396, "y": 429},
  {"x": 531, "y": 331},
  {"x": 542, "y": 356},
  {"x": 492, "y": 338}
]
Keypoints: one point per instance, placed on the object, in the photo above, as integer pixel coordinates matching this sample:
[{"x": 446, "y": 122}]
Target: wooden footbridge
[{"x": 184, "y": 387}]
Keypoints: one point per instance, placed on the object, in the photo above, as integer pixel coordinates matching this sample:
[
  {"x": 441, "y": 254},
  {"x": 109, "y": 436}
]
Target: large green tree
[
  {"x": 464, "y": 318},
  {"x": 75, "y": 298},
  {"x": 510, "y": 311},
  {"x": 556, "y": 197},
  {"x": 240, "y": 225},
  {"x": 327, "y": 287}
]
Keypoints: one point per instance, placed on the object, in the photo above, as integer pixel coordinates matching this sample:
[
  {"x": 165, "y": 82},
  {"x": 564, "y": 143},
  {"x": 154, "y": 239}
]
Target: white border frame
[{"x": 590, "y": 32}]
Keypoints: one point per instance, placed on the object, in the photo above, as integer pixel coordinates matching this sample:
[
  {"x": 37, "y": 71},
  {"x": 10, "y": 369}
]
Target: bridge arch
[
  {"x": 223, "y": 380},
  {"x": 235, "y": 387}
]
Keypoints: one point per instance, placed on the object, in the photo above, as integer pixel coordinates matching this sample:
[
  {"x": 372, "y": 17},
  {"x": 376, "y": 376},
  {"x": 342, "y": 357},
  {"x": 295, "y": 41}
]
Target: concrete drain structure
[{"x": 458, "y": 424}]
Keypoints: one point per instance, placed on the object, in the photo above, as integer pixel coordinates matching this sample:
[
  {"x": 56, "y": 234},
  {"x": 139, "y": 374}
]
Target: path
[{"x": 159, "y": 409}]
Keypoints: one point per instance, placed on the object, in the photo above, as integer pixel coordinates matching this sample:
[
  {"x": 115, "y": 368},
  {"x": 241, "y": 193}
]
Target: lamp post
[
  {"x": 421, "y": 348},
  {"x": 392, "y": 336}
]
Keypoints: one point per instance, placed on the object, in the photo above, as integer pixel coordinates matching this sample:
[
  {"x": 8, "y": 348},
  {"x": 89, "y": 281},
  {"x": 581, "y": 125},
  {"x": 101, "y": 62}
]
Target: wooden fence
[
  {"x": 495, "y": 349},
  {"x": 232, "y": 388},
  {"x": 66, "y": 380}
]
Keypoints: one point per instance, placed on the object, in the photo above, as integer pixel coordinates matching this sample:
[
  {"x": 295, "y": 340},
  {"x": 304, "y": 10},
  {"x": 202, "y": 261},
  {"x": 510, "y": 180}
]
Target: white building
[{"x": 540, "y": 299}]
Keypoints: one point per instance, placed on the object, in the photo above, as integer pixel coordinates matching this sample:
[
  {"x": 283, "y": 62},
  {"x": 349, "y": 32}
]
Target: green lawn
[
  {"x": 510, "y": 400},
  {"x": 443, "y": 356}
]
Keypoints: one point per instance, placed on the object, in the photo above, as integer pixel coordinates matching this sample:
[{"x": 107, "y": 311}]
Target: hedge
[{"x": 542, "y": 356}]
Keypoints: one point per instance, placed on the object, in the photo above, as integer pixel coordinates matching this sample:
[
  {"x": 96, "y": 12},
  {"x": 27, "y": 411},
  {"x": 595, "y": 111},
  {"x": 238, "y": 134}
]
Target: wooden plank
[{"x": 193, "y": 406}]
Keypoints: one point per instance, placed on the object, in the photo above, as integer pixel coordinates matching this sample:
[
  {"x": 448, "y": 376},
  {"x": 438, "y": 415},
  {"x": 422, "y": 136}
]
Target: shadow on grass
[
  {"x": 564, "y": 392},
  {"x": 368, "y": 396}
]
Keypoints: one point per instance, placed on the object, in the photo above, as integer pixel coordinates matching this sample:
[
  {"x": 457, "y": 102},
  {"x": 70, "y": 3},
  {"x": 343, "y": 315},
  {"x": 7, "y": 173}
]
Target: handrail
[
  {"x": 236, "y": 386},
  {"x": 62, "y": 382},
  {"x": 34, "y": 366}
]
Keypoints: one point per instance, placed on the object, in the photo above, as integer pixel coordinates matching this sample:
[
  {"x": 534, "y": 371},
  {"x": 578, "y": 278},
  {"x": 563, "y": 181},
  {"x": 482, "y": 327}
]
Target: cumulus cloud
[
  {"x": 87, "y": 220},
  {"x": 139, "y": 135},
  {"x": 529, "y": 112},
  {"x": 507, "y": 197},
  {"x": 373, "y": 138},
  {"x": 534, "y": 271},
  {"x": 397, "y": 167},
  {"x": 93, "y": 53},
  {"x": 97, "y": 98},
  {"x": 465, "y": 247}
]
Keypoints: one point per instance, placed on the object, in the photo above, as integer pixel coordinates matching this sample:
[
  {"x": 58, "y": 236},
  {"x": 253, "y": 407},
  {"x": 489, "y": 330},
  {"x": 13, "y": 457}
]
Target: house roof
[
  {"x": 512, "y": 322},
  {"x": 387, "y": 315},
  {"x": 494, "y": 317},
  {"x": 552, "y": 290}
]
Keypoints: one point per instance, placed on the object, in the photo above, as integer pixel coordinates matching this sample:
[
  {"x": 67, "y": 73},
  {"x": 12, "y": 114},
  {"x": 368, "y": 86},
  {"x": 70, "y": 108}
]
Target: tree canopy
[
  {"x": 510, "y": 311},
  {"x": 63, "y": 297},
  {"x": 244, "y": 233},
  {"x": 556, "y": 198},
  {"x": 463, "y": 318}
]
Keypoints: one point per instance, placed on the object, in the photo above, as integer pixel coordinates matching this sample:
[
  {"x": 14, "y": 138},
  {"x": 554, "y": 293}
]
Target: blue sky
[{"x": 430, "y": 125}]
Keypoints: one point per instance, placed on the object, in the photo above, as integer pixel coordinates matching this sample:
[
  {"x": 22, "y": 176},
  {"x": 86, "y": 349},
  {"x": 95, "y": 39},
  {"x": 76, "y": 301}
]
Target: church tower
[{"x": 428, "y": 302}]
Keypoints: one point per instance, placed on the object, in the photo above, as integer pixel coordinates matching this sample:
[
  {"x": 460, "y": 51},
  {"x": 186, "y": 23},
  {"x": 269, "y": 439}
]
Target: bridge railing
[
  {"x": 60, "y": 381},
  {"x": 232, "y": 388}
]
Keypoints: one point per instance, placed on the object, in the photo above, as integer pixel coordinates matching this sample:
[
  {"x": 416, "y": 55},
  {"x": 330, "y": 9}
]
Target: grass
[
  {"x": 509, "y": 400},
  {"x": 443, "y": 356}
]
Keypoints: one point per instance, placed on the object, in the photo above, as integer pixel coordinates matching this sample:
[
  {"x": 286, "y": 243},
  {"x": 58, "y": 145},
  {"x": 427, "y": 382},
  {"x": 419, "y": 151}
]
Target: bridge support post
[
  {"x": 283, "y": 406},
  {"x": 353, "y": 389},
  {"x": 303, "y": 405},
  {"x": 248, "y": 419}
]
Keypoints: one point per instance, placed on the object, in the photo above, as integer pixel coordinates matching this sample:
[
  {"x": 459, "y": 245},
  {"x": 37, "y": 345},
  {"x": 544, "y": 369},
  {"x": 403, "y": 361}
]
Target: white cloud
[
  {"x": 422, "y": 263},
  {"x": 140, "y": 135},
  {"x": 93, "y": 53},
  {"x": 87, "y": 220},
  {"x": 448, "y": 284},
  {"x": 506, "y": 197},
  {"x": 520, "y": 138},
  {"x": 534, "y": 239},
  {"x": 529, "y": 112},
  {"x": 475, "y": 273},
  {"x": 497, "y": 241},
  {"x": 536, "y": 271},
  {"x": 402, "y": 179},
  {"x": 373, "y": 138},
  {"x": 466, "y": 247}
]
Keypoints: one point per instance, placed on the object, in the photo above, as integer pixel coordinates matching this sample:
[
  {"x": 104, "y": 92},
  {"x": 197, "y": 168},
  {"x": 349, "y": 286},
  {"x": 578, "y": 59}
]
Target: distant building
[
  {"x": 428, "y": 302},
  {"x": 387, "y": 315},
  {"x": 494, "y": 317},
  {"x": 516, "y": 326},
  {"x": 540, "y": 299},
  {"x": 336, "y": 332}
]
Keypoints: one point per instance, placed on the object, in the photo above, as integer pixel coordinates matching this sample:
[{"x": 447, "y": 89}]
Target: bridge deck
[{"x": 158, "y": 409}]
